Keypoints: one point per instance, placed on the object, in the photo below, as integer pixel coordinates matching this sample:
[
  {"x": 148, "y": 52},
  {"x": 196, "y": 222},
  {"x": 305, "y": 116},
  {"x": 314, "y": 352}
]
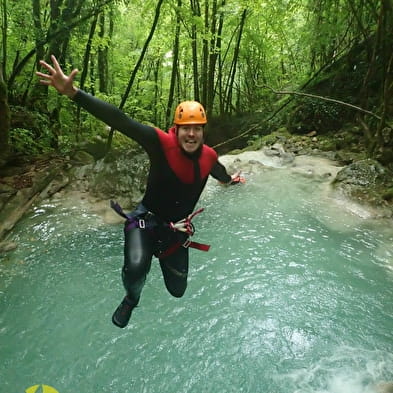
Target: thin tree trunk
[
  {"x": 19, "y": 65},
  {"x": 38, "y": 29},
  {"x": 103, "y": 66},
  {"x": 85, "y": 68},
  {"x": 142, "y": 55},
  {"x": 157, "y": 90},
  {"x": 211, "y": 60},
  {"x": 386, "y": 57},
  {"x": 137, "y": 66},
  {"x": 175, "y": 64},
  {"x": 4, "y": 117},
  {"x": 196, "y": 12},
  {"x": 205, "y": 56},
  {"x": 376, "y": 52},
  {"x": 86, "y": 56},
  {"x": 215, "y": 50},
  {"x": 55, "y": 22},
  {"x": 234, "y": 63},
  {"x": 39, "y": 92},
  {"x": 4, "y": 28}
]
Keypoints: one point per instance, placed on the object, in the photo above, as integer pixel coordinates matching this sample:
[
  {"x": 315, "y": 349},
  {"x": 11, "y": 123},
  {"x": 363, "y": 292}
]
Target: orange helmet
[{"x": 190, "y": 112}]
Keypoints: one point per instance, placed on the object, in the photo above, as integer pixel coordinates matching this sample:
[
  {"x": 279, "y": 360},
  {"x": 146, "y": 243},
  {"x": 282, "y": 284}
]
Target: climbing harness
[
  {"x": 185, "y": 225},
  {"x": 144, "y": 219}
]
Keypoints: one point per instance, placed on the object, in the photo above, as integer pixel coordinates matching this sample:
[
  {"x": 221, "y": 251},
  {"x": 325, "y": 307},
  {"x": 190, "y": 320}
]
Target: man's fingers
[
  {"x": 45, "y": 82},
  {"x": 47, "y": 78},
  {"x": 41, "y": 74},
  {"x": 55, "y": 62},
  {"x": 73, "y": 74},
  {"x": 47, "y": 66}
]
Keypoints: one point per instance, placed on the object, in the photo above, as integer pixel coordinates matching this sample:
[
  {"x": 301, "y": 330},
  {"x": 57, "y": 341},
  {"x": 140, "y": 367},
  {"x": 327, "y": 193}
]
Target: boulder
[
  {"x": 366, "y": 181},
  {"x": 83, "y": 158},
  {"x": 39, "y": 184},
  {"x": 122, "y": 179},
  {"x": 364, "y": 173}
]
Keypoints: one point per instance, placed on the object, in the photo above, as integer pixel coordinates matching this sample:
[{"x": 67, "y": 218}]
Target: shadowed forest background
[{"x": 255, "y": 65}]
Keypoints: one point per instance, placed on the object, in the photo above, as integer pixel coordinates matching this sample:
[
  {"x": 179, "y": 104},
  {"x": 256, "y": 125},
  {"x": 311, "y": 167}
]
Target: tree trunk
[
  {"x": 5, "y": 118},
  {"x": 378, "y": 49},
  {"x": 4, "y": 27},
  {"x": 137, "y": 66},
  {"x": 175, "y": 64},
  {"x": 86, "y": 56},
  {"x": 77, "y": 21},
  {"x": 196, "y": 10},
  {"x": 142, "y": 55},
  {"x": 205, "y": 56},
  {"x": 103, "y": 67},
  {"x": 231, "y": 80},
  {"x": 215, "y": 50},
  {"x": 85, "y": 68},
  {"x": 157, "y": 91},
  {"x": 383, "y": 138},
  {"x": 39, "y": 92},
  {"x": 92, "y": 76}
]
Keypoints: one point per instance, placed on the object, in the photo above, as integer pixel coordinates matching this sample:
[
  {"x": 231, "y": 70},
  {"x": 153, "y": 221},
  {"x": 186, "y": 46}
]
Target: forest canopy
[{"x": 146, "y": 56}]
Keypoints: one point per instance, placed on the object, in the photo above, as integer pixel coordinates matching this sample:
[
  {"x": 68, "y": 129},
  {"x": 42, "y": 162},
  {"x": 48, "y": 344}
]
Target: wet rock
[
  {"x": 83, "y": 158},
  {"x": 6, "y": 192},
  {"x": 43, "y": 181},
  {"x": 96, "y": 148},
  {"x": 7, "y": 246},
  {"x": 277, "y": 150},
  {"x": 366, "y": 181},
  {"x": 385, "y": 387},
  {"x": 364, "y": 173},
  {"x": 122, "y": 179}
]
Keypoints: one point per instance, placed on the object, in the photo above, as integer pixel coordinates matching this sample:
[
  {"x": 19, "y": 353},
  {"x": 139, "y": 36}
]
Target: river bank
[{"x": 353, "y": 187}]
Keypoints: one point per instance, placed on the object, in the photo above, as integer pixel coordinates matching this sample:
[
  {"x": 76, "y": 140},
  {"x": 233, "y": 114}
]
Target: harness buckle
[
  {"x": 141, "y": 223},
  {"x": 187, "y": 243}
]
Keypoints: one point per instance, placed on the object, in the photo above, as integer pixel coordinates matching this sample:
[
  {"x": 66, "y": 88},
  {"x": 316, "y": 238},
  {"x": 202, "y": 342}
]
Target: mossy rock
[
  {"x": 388, "y": 195},
  {"x": 364, "y": 173},
  {"x": 83, "y": 158},
  {"x": 280, "y": 135},
  {"x": 327, "y": 145},
  {"x": 96, "y": 148}
]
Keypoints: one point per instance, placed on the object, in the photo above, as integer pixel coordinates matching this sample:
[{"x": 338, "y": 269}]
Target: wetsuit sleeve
[
  {"x": 220, "y": 173},
  {"x": 115, "y": 118}
]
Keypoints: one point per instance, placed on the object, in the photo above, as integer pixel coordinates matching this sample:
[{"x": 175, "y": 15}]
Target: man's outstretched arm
[{"x": 220, "y": 173}]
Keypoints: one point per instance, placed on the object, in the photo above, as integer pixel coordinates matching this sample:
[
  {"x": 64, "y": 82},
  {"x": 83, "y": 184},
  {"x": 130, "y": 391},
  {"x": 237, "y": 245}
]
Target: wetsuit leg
[
  {"x": 175, "y": 271},
  {"x": 138, "y": 252}
]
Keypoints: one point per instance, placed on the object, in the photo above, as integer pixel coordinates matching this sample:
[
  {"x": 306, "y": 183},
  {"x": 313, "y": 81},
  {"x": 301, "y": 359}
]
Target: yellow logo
[{"x": 45, "y": 389}]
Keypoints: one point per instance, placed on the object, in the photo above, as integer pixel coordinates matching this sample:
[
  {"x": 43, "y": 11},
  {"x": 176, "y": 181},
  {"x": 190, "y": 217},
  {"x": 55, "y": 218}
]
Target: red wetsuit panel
[{"x": 181, "y": 164}]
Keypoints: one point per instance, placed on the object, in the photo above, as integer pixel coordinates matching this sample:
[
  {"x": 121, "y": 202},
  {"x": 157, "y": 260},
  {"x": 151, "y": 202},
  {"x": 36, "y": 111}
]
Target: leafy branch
[
  {"x": 50, "y": 37},
  {"x": 325, "y": 99}
]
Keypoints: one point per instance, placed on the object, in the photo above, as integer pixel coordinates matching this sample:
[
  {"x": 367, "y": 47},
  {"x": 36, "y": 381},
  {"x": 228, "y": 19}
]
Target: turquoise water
[{"x": 295, "y": 295}]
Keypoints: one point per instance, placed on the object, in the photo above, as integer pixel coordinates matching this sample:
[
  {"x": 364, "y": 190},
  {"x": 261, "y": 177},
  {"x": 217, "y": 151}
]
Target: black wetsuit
[{"x": 175, "y": 182}]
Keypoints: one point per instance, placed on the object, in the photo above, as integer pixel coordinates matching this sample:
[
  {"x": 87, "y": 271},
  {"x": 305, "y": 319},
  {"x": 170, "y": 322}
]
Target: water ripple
[{"x": 290, "y": 294}]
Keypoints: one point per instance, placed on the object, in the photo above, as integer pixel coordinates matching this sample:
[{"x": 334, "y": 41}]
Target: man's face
[{"x": 190, "y": 137}]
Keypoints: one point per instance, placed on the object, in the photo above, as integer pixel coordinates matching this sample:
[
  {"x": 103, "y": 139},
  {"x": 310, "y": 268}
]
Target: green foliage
[
  {"x": 388, "y": 195},
  {"x": 24, "y": 141},
  {"x": 123, "y": 143},
  {"x": 283, "y": 43},
  {"x": 314, "y": 115}
]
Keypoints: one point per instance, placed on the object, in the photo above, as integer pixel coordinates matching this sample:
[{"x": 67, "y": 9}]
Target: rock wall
[{"x": 122, "y": 177}]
